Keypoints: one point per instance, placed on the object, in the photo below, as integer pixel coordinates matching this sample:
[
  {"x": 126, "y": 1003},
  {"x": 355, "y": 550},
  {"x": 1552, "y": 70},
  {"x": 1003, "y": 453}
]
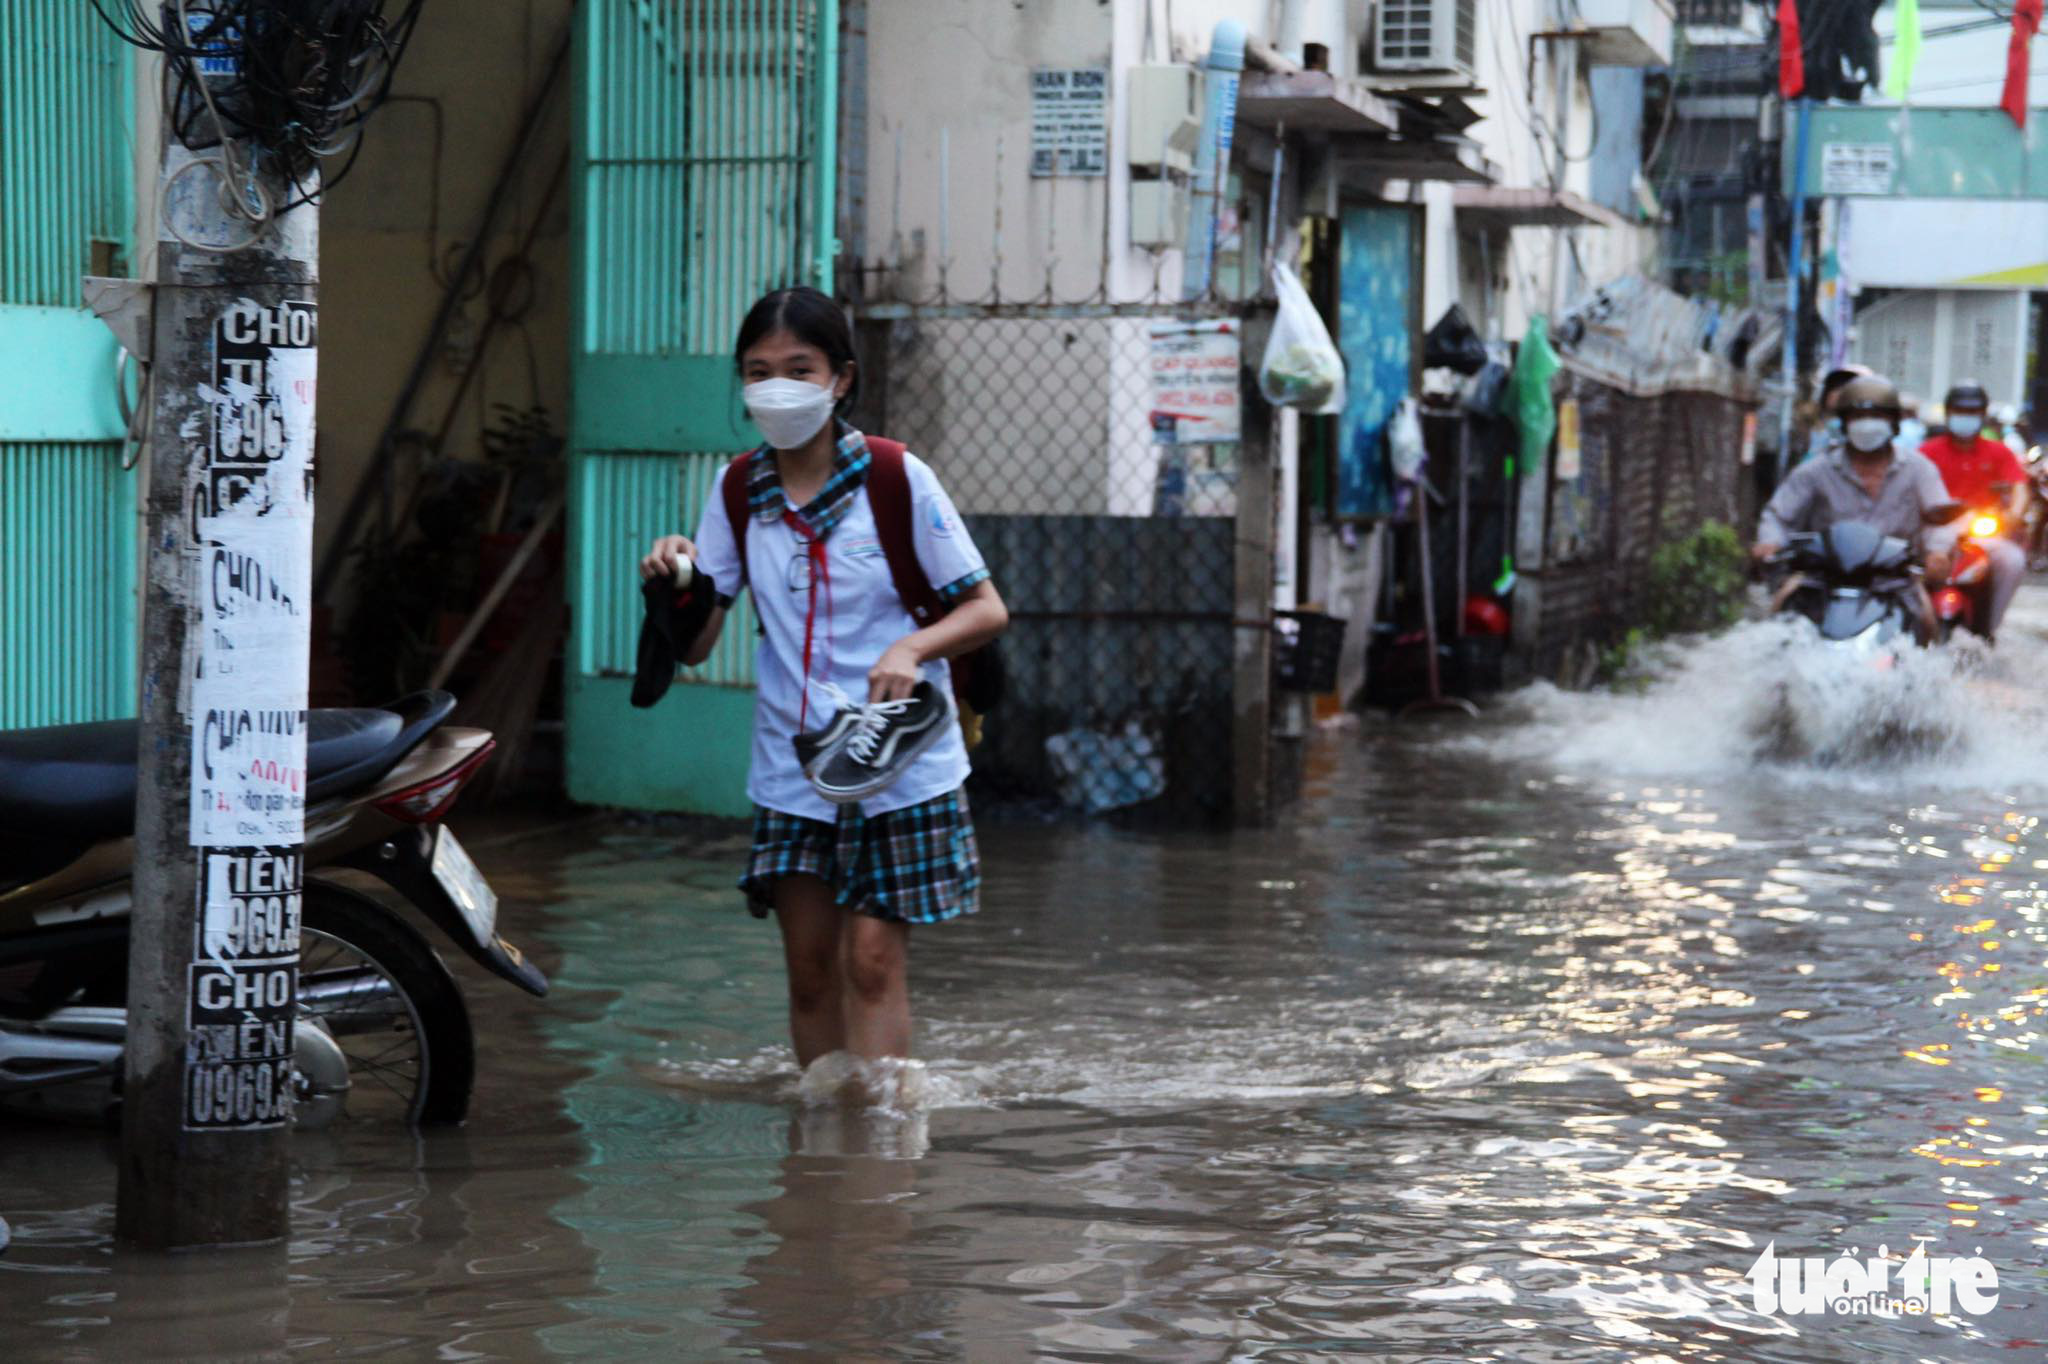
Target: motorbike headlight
[{"x": 1984, "y": 527}]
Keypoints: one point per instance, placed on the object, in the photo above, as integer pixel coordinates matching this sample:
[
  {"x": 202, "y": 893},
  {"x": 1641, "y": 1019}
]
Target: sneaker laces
[
  {"x": 874, "y": 722},
  {"x": 839, "y": 699}
]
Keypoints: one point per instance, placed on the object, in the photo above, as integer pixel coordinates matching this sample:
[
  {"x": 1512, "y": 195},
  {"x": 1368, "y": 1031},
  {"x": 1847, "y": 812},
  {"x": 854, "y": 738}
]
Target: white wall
[
  {"x": 1933, "y": 338},
  {"x": 1926, "y": 340},
  {"x": 956, "y": 74},
  {"x": 964, "y": 66},
  {"x": 1957, "y": 69},
  {"x": 1523, "y": 137}
]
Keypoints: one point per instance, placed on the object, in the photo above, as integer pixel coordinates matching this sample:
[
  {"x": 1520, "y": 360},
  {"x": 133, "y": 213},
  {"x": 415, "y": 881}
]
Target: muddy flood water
[{"x": 1521, "y": 1039}]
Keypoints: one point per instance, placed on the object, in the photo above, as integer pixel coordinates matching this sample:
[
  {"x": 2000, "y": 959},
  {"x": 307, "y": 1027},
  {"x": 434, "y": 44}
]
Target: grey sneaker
[
  {"x": 816, "y": 746},
  {"x": 886, "y": 739}
]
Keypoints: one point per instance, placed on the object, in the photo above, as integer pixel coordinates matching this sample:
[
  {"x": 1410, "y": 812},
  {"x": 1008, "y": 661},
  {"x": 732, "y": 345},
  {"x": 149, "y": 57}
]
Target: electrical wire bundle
[{"x": 290, "y": 80}]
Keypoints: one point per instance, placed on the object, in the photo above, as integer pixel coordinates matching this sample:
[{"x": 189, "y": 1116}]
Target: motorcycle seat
[{"x": 78, "y": 781}]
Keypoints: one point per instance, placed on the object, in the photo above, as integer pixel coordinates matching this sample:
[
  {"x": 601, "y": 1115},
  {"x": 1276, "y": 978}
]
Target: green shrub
[{"x": 1697, "y": 583}]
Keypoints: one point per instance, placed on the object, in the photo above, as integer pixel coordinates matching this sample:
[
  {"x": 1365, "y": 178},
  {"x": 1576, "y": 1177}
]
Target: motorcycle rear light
[
  {"x": 432, "y": 798},
  {"x": 1948, "y": 602}
]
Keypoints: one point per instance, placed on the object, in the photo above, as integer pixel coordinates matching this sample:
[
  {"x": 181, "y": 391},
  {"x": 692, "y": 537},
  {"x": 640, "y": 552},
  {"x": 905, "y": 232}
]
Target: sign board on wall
[
  {"x": 1569, "y": 457},
  {"x": 1856, "y": 167},
  {"x": 1069, "y": 121},
  {"x": 1194, "y": 373},
  {"x": 1921, "y": 152}
]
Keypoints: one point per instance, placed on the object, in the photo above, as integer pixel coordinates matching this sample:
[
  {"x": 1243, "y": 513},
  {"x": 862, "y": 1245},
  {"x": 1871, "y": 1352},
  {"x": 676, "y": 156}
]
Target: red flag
[
  {"x": 1791, "y": 57},
  {"x": 2026, "y": 22}
]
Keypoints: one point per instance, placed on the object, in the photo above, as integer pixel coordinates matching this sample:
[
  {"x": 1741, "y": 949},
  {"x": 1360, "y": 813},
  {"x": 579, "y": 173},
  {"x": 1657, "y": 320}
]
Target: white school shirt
[{"x": 858, "y": 617}]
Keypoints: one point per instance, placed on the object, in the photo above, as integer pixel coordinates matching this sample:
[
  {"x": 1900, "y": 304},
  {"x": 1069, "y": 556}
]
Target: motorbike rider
[
  {"x": 1827, "y": 437},
  {"x": 1974, "y": 467},
  {"x": 1868, "y": 479}
]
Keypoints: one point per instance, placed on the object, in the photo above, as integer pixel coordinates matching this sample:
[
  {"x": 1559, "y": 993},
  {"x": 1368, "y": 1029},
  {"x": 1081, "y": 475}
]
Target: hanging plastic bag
[
  {"x": 1302, "y": 368},
  {"x": 1527, "y": 400},
  {"x": 1404, "y": 442},
  {"x": 1453, "y": 344}
]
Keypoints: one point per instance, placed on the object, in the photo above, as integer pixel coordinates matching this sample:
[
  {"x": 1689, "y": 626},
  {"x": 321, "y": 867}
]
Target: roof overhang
[
  {"x": 1519, "y": 206},
  {"x": 1313, "y": 101},
  {"x": 1457, "y": 160}
]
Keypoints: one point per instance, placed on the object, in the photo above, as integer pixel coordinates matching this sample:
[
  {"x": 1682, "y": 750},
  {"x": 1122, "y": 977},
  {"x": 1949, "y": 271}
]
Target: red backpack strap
[
  {"x": 889, "y": 497},
  {"x": 732, "y": 484}
]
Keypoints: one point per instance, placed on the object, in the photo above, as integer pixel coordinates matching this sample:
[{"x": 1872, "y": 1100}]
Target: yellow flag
[{"x": 1905, "y": 49}]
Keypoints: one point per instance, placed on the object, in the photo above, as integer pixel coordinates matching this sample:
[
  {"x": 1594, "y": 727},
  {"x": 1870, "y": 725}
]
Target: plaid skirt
[{"x": 916, "y": 865}]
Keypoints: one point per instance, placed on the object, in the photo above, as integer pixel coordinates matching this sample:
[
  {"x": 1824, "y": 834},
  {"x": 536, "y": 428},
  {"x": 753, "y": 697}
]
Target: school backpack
[{"x": 978, "y": 676}]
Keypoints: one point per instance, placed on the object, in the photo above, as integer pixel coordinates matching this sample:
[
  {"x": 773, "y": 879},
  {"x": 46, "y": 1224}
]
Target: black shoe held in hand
[{"x": 885, "y": 739}]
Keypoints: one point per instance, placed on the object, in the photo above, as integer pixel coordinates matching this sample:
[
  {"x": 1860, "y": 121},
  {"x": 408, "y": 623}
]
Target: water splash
[
  {"x": 1767, "y": 695},
  {"x": 886, "y": 1084}
]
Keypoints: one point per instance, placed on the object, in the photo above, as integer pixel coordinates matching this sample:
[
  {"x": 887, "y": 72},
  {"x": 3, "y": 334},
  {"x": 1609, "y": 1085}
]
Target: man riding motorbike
[
  {"x": 1985, "y": 476},
  {"x": 1827, "y": 437},
  {"x": 1867, "y": 479}
]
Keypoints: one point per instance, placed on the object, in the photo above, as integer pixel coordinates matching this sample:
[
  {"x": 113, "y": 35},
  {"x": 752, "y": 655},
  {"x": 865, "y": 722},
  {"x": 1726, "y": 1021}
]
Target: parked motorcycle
[
  {"x": 1859, "y": 587},
  {"x": 381, "y": 1031}
]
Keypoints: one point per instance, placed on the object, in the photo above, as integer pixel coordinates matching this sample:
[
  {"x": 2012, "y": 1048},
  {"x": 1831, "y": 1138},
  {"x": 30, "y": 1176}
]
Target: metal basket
[{"x": 1305, "y": 649}]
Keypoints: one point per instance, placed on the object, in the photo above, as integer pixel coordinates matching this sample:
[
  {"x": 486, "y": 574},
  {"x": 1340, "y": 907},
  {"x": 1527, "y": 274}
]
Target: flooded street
[{"x": 1521, "y": 1039}]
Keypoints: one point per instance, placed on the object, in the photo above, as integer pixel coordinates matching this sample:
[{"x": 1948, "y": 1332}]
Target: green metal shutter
[
  {"x": 705, "y": 150},
  {"x": 67, "y": 509}
]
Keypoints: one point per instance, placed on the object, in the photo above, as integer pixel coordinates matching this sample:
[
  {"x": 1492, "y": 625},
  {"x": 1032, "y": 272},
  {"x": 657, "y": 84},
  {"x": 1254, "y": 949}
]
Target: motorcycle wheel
[{"x": 391, "y": 1005}]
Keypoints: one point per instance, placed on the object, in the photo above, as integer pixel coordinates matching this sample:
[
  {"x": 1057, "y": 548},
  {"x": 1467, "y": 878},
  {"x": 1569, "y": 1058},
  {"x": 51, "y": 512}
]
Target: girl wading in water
[{"x": 861, "y": 827}]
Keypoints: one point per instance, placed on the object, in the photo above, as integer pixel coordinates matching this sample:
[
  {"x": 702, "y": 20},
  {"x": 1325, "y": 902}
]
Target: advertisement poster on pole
[{"x": 252, "y": 529}]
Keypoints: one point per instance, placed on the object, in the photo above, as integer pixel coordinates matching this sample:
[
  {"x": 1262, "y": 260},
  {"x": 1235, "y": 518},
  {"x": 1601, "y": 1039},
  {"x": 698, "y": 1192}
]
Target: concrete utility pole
[{"x": 213, "y": 961}]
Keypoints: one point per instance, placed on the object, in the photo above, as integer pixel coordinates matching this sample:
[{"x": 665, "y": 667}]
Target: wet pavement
[{"x": 1520, "y": 1040}]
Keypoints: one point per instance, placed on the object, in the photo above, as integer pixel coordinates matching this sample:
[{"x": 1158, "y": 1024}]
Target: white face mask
[
  {"x": 1869, "y": 434},
  {"x": 788, "y": 411},
  {"x": 1965, "y": 427}
]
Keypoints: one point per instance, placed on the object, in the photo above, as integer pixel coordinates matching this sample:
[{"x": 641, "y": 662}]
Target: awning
[
  {"x": 1312, "y": 101},
  {"x": 1524, "y": 206},
  {"x": 1456, "y": 159}
]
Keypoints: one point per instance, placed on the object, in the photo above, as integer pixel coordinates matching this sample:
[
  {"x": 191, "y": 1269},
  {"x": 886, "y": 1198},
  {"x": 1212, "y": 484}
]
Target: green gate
[
  {"x": 67, "y": 509},
  {"x": 704, "y": 155}
]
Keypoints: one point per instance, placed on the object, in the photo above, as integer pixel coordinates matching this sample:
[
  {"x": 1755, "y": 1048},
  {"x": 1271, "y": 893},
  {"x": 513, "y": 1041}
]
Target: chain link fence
[{"x": 1093, "y": 453}]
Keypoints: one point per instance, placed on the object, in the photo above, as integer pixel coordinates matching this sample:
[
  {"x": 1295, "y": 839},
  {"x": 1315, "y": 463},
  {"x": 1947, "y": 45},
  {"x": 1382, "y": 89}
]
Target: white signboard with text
[
  {"x": 1069, "y": 121},
  {"x": 1194, "y": 381}
]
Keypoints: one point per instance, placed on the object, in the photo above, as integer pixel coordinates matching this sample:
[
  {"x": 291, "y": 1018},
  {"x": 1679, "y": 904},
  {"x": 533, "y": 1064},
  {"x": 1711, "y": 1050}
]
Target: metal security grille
[
  {"x": 67, "y": 583},
  {"x": 1112, "y": 542},
  {"x": 67, "y": 623},
  {"x": 645, "y": 496},
  {"x": 698, "y": 167},
  {"x": 703, "y": 178},
  {"x": 66, "y": 189}
]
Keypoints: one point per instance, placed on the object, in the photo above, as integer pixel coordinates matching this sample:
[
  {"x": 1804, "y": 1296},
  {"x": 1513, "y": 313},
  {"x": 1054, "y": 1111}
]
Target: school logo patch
[{"x": 939, "y": 516}]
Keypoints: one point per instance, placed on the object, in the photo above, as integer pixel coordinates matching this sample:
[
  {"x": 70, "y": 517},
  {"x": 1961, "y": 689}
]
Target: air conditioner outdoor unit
[{"x": 1425, "y": 35}]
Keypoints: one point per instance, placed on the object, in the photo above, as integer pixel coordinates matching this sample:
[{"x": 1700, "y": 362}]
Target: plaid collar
[{"x": 850, "y": 461}]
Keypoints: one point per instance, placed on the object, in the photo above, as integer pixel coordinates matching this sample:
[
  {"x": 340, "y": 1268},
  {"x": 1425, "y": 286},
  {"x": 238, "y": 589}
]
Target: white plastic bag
[
  {"x": 1404, "y": 442},
  {"x": 1302, "y": 368}
]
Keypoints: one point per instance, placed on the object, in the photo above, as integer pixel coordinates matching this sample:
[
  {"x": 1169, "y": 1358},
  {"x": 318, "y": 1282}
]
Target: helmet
[
  {"x": 1869, "y": 393},
  {"x": 1485, "y": 616},
  {"x": 1967, "y": 394},
  {"x": 1835, "y": 378},
  {"x": 2006, "y": 414}
]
